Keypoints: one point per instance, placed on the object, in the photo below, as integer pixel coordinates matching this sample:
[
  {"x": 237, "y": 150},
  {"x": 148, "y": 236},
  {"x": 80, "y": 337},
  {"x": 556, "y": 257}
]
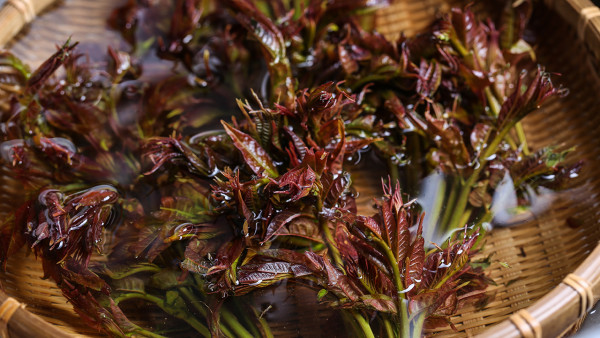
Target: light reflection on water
[{"x": 506, "y": 211}]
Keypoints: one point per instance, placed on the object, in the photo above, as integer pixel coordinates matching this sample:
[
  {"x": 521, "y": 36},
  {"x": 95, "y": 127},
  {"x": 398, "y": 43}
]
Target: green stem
[
  {"x": 323, "y": 224},
  {"x": 249, "y": 316},
  {"x": 448, "y": 210},
  {"x": 192, "y": 299},
  {"x": 522, "y": 138},
  {"x": 495, "y": 107},
  {"x": 402, "y": 307},
  {"x": 463, "y": 198},
  {"x": 189, "y": 295},
  {"x": 226, "y": 331},
  {"x": 364, "y": 325},
  {"x": 389, "y": 330},
  {"x": 266, "y": 329},
  {"x": 511, "y": 142},
  {"x": 193, "y": 322},
  {"x": 298, "y": 10},
  {"x": 492, "y": 101},
  {"x": 418, "y": 326},
  {"x": 199, "y": 282},
  {"x": 465, "y": 217},
  {"x": 459, "y": 46},
  {"x": 487, "y": 216},
  {"x": 350, "y": 322},
  {"x": 230, "y": 320}
]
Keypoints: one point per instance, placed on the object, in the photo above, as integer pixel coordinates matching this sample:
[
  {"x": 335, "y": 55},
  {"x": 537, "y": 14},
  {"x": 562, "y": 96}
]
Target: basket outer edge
[
  {"x": 560, "y": 309},
  {"x": 13, "y": 19},
  {"x": 25, "y": 324}
]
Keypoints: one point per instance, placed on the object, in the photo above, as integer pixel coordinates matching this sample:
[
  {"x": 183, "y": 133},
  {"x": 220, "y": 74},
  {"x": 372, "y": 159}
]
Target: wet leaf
[
  {"x": 48, "y": 67},
  {"x": 280, "y": 220},
  {"x": 256, "y": 158}
]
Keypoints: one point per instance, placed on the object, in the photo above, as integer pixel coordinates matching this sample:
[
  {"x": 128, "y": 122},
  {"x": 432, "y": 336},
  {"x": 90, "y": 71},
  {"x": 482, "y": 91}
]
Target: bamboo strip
[
  {"x": 15, "y": 14},
  {"x": 21, "y": 323}
]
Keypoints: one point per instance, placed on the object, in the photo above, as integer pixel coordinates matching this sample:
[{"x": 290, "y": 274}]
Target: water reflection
[{"x": 508, "y": 207}]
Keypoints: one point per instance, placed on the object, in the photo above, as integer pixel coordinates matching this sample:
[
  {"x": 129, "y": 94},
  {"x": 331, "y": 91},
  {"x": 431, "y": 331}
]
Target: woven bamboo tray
[{"x": 554, "y": 273}]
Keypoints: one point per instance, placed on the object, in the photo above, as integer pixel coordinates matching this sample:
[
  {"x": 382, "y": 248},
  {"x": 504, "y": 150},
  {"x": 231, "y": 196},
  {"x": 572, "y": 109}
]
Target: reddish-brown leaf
[
  {"x": 46, "y": 69},
  {"x": 372, "y": 225},
  {"x": 415, "y": 261},
  {"x": 279, "y": 221},
  {"x": 255, "y": 156},
  {"x": 389, "y": 224},
  {"x": 380, "y": 303},
  {"x": 298, "y": 182},
  {"x": 403, "y": 237}
]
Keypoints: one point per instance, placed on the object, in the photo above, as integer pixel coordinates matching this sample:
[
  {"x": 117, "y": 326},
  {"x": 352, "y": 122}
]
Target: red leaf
[
  {"x": 336, "y": 157},
  {"x": 279, "y": 221},
  {"x": 372, "y": 225},
  {"x": 403, "y": 236},
  {"x": 380, "y": 303},
  {"x": 299, "y": 182},
  {"x": 430, "y": 76},
  {"x": 344, "y": 245},
  {"x": 46, "y": 69},
  {"x": 274, "y": 267},
  {"x": 336, "y": 189},
  {"x": 388, "y": 223},
  {"x": 299, "y": 145},
  {"x": 520, "y": 103},
  {"x": 348, "y": 62},
  {"x": 300, "y": 270},
  {"x": 479, "y": 136},
  {"x": 163, "y": 150},
  {"x": 251, "y": 277},
  {"x": 347, "y": 286},
  {"x": 255, "y": 156},
  {"x": 415, "y": 261}
]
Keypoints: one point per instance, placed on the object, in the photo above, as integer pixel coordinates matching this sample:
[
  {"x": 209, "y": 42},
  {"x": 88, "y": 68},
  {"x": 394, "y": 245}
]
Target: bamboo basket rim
[{"x": 569, "y": 301}]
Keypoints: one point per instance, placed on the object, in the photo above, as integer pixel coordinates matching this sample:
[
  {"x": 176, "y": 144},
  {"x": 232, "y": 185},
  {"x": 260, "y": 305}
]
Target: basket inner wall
[{"x": 539, "y": 253}]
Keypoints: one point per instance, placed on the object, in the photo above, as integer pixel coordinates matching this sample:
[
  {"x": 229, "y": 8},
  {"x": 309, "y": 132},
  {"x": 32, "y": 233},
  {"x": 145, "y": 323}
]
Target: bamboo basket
[{"x": 554, "y": 274}]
